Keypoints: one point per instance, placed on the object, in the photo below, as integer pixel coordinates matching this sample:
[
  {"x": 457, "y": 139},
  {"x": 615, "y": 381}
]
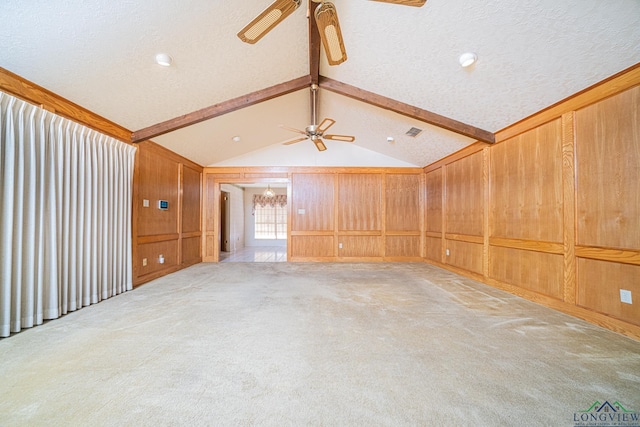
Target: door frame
[{"x": 217, "y": 182}]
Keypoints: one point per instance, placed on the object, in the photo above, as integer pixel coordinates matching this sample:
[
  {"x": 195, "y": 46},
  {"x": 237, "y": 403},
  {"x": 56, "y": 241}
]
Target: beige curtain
[{"x": 65, "y": 216}]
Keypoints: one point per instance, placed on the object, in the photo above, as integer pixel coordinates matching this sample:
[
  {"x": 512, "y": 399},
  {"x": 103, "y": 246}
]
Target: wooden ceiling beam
[
  {"x": 34, "y": 94},
  {"x": 221, "y": 109},
  {"x": 314, "y": 45},
  {"x": 407, "y": 110}
]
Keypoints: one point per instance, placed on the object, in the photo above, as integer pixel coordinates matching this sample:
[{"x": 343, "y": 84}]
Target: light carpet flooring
[{"x": 293, "y": 344}]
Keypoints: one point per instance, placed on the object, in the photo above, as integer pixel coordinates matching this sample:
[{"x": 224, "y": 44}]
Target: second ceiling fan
[
  {"x": 315, "y": 132},
  {"x": 326, "y": 18}
]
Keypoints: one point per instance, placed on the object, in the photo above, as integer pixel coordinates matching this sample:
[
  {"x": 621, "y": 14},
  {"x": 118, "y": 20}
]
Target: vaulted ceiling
[{"x": 100, "y": 54}]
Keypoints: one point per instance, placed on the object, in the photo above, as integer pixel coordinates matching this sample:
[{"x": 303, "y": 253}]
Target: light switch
[
  {"x": 339, "y": 245},
  {"x": 144, "y": 262},
  {"x": 625, "y": 296},
  {"x": 145, "y": 203},
  {"x": 301, "y": 211},
  {"x": 448, "y": 252}
]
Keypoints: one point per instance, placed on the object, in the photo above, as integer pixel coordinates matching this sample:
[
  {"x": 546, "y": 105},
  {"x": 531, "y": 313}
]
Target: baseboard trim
[{"x": 599, "y": 319}]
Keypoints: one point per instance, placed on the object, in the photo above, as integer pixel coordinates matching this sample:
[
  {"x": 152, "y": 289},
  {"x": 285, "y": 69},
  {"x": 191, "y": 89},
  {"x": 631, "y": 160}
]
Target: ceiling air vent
[{"x": 413, "y": 132}]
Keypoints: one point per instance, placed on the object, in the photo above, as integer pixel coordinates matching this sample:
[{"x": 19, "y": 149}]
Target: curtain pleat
[{"x": 65, "y": 224}]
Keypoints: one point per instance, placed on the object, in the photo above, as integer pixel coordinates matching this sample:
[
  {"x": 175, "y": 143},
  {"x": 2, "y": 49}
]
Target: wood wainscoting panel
[
  {"x": 526, "y": 186},
  {"x": 608, "y": 172},
  {"x": 163, "y": 175},
  {"x": 402, "y": 246},
  {"x": 360, "y": 202},
  {"x": 536, "y": 271},
  {"x": 191, "y": 206},
  {"x": 599, "y": 284},
  {"x": 158, "y": 179},
  {"x": 191, "y": 250},
  {"x": 312, "y": 246},
  {"x": 312, "y": 204},
  {"x": 402, "y": 202},
  {"x": 613, "y": 255},
  {"x": 360, "y": 246},
  {"x": 433, "y": 248},
  {"x": 152, "y": 251},
  {"x": 569, "y": 203},
  {"x": 434, "y": 200},
  {"x": 209, "y": 253},
  {"x": 465, "y": 255},
  {"x": 464, "y": 189}
]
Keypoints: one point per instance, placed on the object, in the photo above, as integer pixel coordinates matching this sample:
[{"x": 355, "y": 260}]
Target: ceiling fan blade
[
  {"x": 416, "y": 3},
  {"x": 330, "y": 34},
  {"x": 292, "y": 129},
  {"x": 267, "y": 20},
  {"x": 319, "y": 144},
  {"x": 294, "y": 140},
  {"x": 325, "y": 124},
  {"x": 344, "y": 138}
]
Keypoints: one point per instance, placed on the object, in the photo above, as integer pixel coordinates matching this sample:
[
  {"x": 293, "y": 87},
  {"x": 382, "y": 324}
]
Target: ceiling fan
[
  {"x": 326, "y": 17},
  {"x": 315, "y": 132}
]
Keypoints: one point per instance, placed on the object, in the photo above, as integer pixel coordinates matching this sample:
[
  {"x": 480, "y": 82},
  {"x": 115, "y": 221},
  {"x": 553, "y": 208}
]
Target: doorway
[{"x": 242, "y": 229}]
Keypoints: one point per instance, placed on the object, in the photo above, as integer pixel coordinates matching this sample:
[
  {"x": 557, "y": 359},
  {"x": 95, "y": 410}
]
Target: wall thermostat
[{"x": 163, "y": 204}]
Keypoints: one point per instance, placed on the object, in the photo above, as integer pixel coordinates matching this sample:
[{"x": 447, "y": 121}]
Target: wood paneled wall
[
  {"x": 175, "y": 233},
  {"x": 313, "y": 202},
  {"x": 607, "y": 154},
  {"x": 337, "y": 214},
  {"x": 551, "y": 212}
]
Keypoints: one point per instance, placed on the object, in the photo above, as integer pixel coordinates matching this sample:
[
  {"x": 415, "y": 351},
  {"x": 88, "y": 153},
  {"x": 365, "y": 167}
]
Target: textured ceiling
[{"x": 99, "y": 54}]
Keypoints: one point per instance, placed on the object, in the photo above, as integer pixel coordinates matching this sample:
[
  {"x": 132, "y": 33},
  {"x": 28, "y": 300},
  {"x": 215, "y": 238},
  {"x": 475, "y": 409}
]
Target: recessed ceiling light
[
  {"x": 390, "y": 140},
  {"x": 467, "y": 59},
  {"x": 236, "y": 139},
  {"x": 164, "y": 59}
]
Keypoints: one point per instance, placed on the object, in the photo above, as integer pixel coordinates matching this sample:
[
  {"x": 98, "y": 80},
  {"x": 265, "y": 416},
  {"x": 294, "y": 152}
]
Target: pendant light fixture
[{"x": 269, "y": 192}]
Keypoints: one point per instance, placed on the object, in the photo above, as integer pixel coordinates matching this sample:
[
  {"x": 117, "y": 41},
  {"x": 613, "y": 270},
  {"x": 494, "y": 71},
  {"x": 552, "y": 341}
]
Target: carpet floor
[{"x": 290, "y": 344}]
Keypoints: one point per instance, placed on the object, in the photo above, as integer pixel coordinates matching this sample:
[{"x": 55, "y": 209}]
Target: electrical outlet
[
  {"x": 161, "y": 259},
  {"x": 448, "y": 252},
  {"x": 625, "y": 296},
  {"x": 339, "y": 245},
  {"x": 144, "y": 262},
  {"x": 145, "y": 203},
  {"x": 301, "y": 211}
]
